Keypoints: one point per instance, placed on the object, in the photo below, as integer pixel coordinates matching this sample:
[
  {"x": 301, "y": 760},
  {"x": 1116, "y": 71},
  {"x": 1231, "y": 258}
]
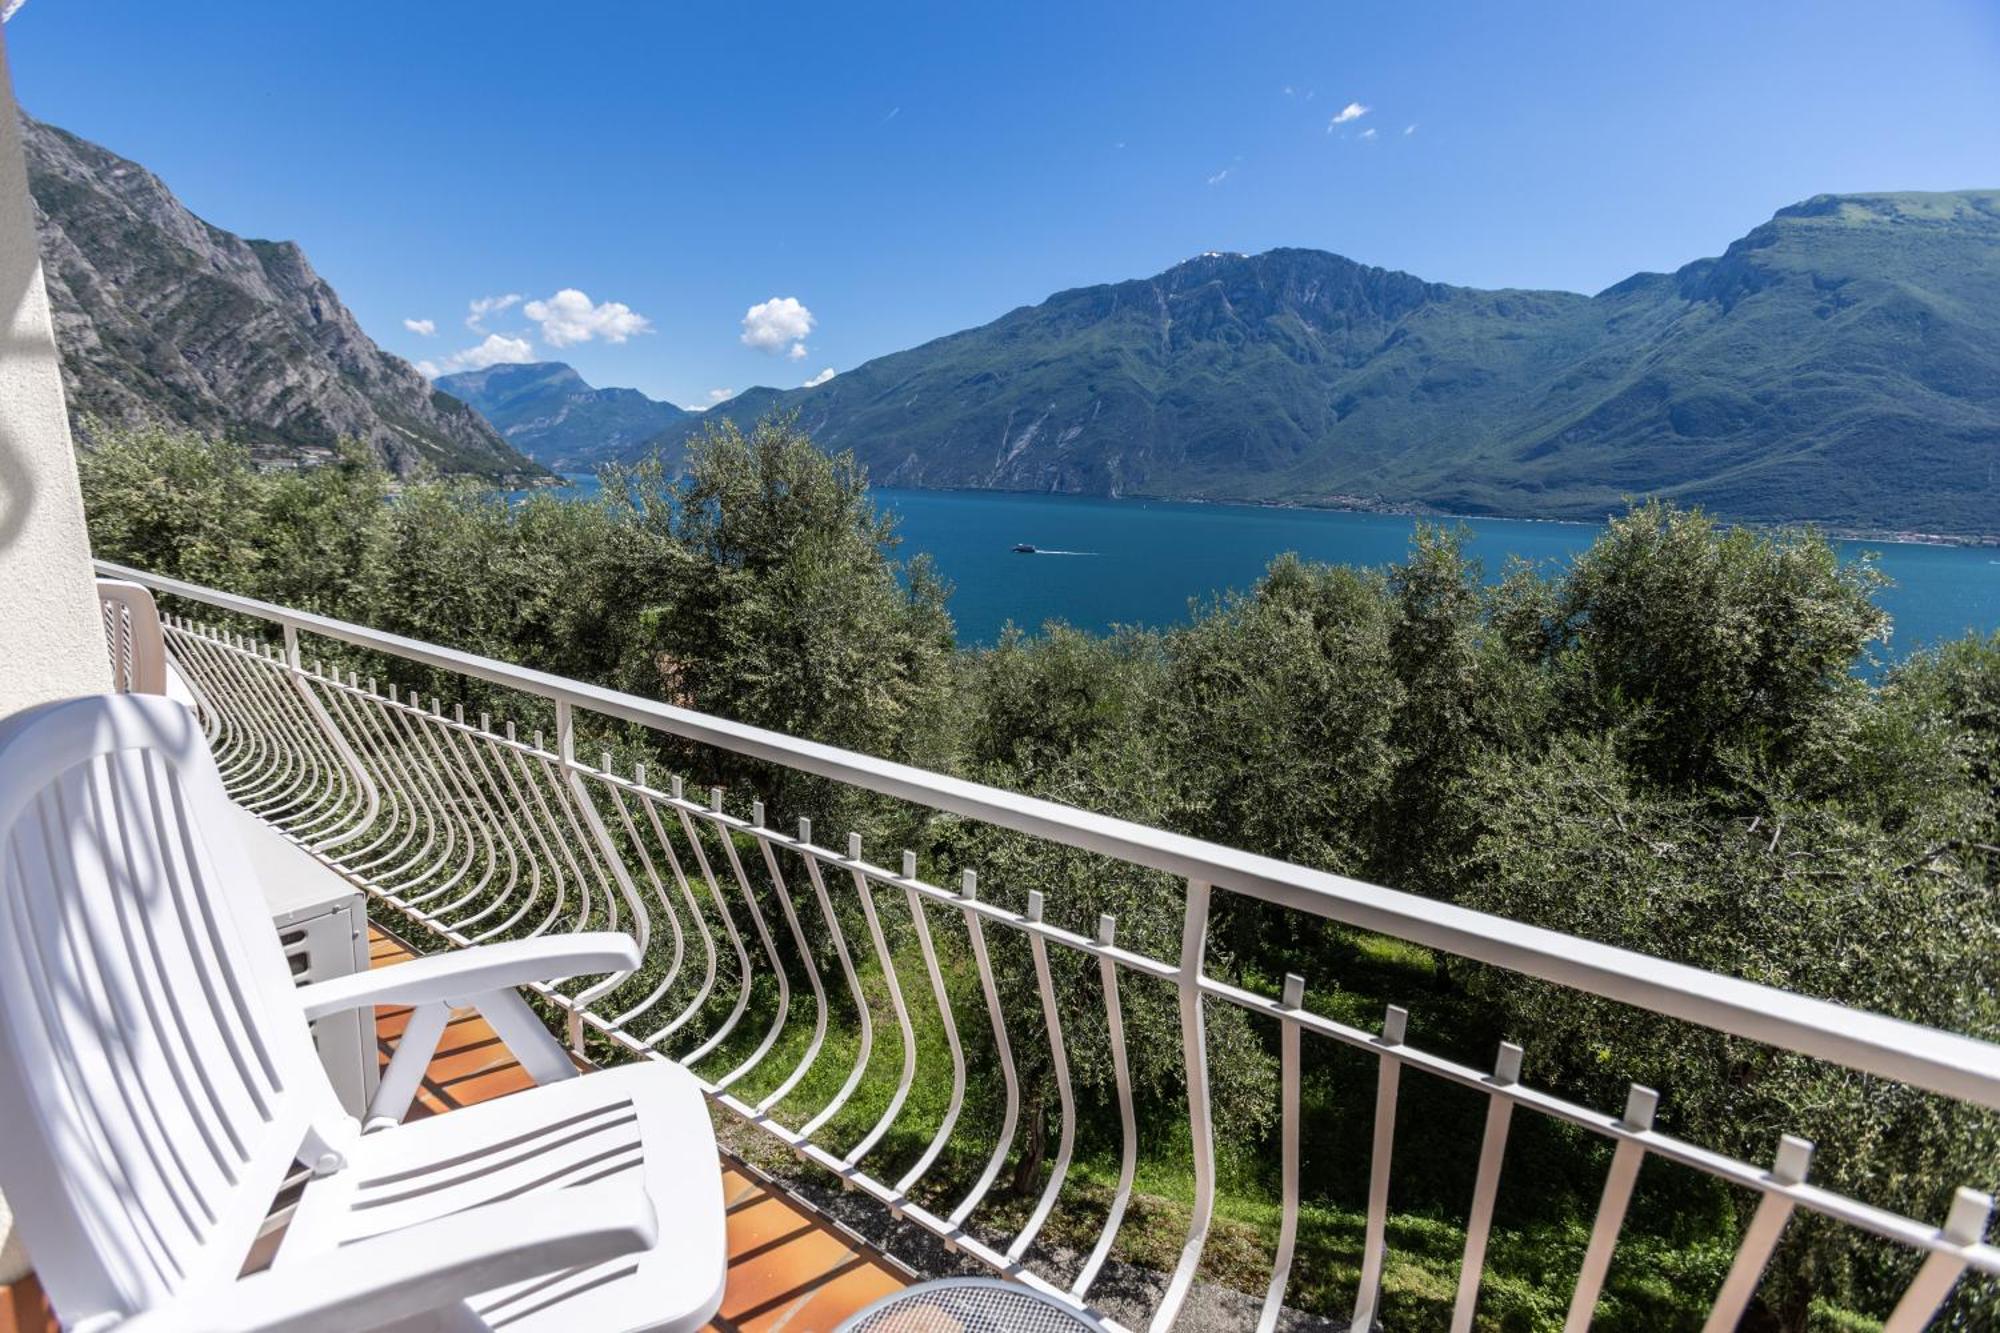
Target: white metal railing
[{"x": 475, "y": 833}]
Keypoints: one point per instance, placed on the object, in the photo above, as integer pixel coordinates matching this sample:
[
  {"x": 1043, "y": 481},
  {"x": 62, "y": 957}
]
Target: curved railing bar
[
  {"x": 380, "y": 726},
  {"x": 820, "y": 1012},
  {"x": 865, "y": 1045},
  {"x": 1128, "y": 1161},
  {"x": 614, "y": 785},
  {"x": 420, "y": 751},
  {"x": 501, "y": 745},
  {"x": 725, "y": 826},
  {"x": 1003, "y": 1049},
  {"x": 478, "y": 813},
  {"x": 711, "y": 957},
  {"x": 887, "y": 959},
  {"x": 1059, "y": 1058},
  {"x": 682, "y": 806},
  {"x": 341, "y": 793},
  {"x": 942, "y": 998},
  {"x": 520, "y": 773},
  {"x": 548, "y": 794},
  {"x": 349, "y": 705},
  {"x": 324, "y": 841}
]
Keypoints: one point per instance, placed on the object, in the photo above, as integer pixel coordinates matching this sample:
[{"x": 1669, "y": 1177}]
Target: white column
[{"x": 51, "y": 633}]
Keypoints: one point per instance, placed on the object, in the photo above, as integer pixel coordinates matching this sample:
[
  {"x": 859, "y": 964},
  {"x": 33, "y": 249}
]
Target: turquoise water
[{"x": 1140, "y": 562}]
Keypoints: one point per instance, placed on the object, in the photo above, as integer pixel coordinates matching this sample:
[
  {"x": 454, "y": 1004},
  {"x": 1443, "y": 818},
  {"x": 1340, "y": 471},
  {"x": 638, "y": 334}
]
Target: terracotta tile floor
[{"x": 789, "y": 1270}]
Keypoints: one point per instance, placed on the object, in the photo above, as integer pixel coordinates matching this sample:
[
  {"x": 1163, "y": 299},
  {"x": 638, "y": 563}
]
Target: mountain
[
  {"x": 547, "y": 412},
  {"x": 161, "y": 315},
  {"x": 1840, "y": 363}
]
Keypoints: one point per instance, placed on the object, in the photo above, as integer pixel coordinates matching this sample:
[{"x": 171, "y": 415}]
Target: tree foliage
[{"x": 1679, "y": 744}]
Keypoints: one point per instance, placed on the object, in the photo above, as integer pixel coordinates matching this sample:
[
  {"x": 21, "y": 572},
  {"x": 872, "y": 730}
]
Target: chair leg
[
  {"x": 405, "y": 1073},
  {"x": 530, "y": 1043}
]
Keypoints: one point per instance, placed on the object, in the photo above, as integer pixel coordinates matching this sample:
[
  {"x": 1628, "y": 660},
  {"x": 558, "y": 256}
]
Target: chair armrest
[
  {"x": 459, "y": 973},
  {"x": 421, "y": 1268}
]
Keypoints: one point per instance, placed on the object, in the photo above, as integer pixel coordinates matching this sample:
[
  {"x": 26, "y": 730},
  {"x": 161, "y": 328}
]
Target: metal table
[{"x": 970, "y": 1305}]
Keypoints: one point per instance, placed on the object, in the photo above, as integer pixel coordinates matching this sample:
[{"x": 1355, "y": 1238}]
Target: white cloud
[
  {"x": 428, "y": 369},
  {"x": 1352, "y": 111},
  {"x": 568, "y": 318},
  {"x": 497, "y": 349},
  {"x": 1219, "y": 177},
  {"x": 798, "y": 352},
  {"x": 487, "y": 305},
  {"x": 715, "y": 396},
  {"x": 423, "y": 328},
  {"x": 818, "y": 379},
  {"x": 769, "y": 325},
  {"x": 1368, "y": 133},
  {"x": 1409, "y": 129}
]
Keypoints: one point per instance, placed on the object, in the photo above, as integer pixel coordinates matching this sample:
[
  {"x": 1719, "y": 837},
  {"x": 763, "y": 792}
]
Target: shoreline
[{"x": 1888, "y": 536}]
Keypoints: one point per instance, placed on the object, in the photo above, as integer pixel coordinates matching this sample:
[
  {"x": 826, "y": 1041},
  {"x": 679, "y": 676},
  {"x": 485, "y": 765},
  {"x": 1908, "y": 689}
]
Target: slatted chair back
[{"x": 157, "y": 1081}]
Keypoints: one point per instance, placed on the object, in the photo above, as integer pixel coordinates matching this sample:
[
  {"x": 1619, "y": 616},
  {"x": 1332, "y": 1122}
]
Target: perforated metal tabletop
[{"x": 970, "y": 1305}]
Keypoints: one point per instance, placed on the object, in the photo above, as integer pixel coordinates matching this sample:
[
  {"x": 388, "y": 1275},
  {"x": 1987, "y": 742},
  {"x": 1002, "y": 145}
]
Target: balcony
[{"x": 887, "y": 1040}]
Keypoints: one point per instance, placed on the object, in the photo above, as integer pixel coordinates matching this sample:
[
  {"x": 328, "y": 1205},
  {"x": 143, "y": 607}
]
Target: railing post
[
  {"x": 1293, "y": 1000},
  {"x": 1194, "y": 1052},
  {"x": 1374, "y": 1245},
  {"x": 1486, "y": 1185},
  {"x": 565, "y": 733}
]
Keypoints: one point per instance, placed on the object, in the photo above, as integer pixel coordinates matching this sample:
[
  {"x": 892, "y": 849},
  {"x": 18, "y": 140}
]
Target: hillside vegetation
[{"x": 1662, "y": 746}]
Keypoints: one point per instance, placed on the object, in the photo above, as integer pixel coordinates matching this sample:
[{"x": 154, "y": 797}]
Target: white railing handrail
[{"x": 1955, "y": 1065}]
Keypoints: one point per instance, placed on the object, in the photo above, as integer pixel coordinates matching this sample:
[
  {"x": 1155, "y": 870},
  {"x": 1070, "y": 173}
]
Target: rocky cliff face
[{"x": 160, "y": 315}]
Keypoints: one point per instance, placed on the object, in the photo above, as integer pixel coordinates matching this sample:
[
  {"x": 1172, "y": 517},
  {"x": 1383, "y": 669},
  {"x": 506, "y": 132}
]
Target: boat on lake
[{"x": 1022, "y": 548}]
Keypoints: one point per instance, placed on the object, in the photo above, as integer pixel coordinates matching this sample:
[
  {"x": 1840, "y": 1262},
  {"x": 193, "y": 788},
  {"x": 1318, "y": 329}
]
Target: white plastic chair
[{"x": 158, "y": 1084}]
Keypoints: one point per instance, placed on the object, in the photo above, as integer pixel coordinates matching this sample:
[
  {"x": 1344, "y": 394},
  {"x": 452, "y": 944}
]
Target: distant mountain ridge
[
  {"x": 160, "y": 315},
  {"x": 1839, "y": 363},
  {"x": 547, "y": 411}
]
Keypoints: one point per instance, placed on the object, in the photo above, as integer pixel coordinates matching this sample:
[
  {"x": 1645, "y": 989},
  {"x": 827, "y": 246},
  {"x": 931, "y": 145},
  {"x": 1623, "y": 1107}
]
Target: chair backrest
[
  {"x": 132, "y": 637},
  {"x": 157, "y": 1080}
]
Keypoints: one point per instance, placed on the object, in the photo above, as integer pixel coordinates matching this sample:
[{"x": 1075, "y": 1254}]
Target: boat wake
[{"x": 1040, "y": 550}]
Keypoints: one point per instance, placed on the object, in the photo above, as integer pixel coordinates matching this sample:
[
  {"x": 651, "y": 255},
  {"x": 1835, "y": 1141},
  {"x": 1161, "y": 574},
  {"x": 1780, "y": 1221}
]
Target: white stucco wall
[{"x": 51, "y": 638}]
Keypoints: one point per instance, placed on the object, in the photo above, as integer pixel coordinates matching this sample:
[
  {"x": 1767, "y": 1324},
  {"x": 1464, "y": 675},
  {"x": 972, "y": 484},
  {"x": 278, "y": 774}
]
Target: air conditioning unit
[
  {"x": 325, "y": 939},
  {"x": 322, "y": 922}
]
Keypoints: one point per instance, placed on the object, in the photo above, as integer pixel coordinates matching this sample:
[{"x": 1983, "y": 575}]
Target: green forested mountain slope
[{"x": 1839, "y": 363}]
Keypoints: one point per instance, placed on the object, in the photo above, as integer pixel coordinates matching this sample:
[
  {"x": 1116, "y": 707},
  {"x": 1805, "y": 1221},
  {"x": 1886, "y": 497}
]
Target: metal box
[{"x": 330, "y": 939}]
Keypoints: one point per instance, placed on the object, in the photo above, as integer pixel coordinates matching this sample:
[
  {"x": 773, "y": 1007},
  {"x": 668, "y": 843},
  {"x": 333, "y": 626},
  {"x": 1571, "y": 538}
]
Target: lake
[{"x": 1140, "y": 562}]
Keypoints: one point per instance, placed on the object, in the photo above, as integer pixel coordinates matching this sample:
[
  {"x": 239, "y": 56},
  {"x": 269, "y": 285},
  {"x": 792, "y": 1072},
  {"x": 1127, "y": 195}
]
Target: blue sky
[{"x": 897, "y": 172}]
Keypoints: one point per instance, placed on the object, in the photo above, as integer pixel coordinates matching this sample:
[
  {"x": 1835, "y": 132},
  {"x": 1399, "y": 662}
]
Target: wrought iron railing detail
[{"x": 769, "y": 954}]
